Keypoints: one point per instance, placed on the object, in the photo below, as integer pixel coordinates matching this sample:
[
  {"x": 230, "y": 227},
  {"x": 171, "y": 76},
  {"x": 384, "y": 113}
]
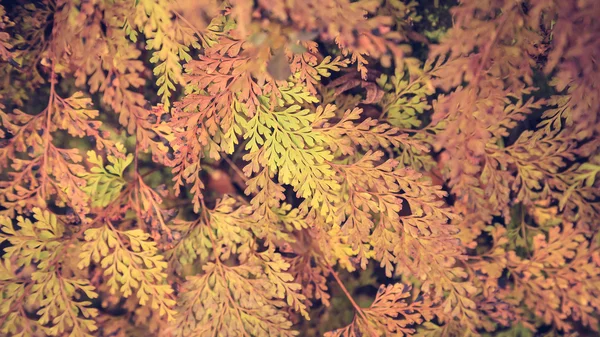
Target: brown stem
[
  {"x": 347, "y": 293},
  {"x": 236, "y": 169},
  {"x": 47, "y": 138},
  {"x": 182, "y": 18}
]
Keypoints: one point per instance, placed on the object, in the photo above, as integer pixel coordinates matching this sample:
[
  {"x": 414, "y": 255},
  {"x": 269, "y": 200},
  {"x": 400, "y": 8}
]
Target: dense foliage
[{"x": 299, "y": 167}]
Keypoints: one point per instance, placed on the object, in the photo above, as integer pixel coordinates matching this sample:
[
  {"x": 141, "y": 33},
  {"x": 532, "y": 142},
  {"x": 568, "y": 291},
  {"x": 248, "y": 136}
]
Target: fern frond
[
  {"x": 246, "y": 300},
  {"x": 104, "y": 184},
  {"x": 390, "y": 314},
  {"x": 131, "y": 262}
]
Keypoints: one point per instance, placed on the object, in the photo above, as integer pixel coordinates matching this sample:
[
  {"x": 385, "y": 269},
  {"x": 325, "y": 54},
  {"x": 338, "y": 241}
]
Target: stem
[
  {"x": 524, "y": 230},
  {"x": 47, "y": 138},
  {"x": 182, "y": 18},
  {"x": 347, "y": 293},
  {"x": 235, "y": 168}
]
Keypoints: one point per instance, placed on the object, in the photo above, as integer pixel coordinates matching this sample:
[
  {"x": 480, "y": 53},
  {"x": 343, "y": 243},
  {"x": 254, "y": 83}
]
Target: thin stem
[
  {"x": 347, "y": 293},
  {"x": 135, "y": 157},
  {"x": 47, "y": 138},
  {"x": 524, "y": 231},
  {"x": 182, "y": 18},
  {"x": 236, "y": 168}
]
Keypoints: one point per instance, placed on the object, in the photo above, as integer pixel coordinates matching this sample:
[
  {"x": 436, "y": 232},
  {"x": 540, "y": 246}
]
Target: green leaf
[{"x": 104, "y": 184}]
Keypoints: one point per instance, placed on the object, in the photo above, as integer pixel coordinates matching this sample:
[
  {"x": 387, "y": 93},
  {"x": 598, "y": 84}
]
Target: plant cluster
[{"x": 262, "y": 168}]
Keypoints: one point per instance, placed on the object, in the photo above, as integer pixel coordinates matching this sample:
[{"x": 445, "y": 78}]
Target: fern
[
  {"x": 130, "y": 262},
  {"x": 299, "y": 168}
]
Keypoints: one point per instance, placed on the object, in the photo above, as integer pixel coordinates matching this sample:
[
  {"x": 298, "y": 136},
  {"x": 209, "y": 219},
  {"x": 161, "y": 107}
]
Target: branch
[{"x": 347, "y": 293}]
